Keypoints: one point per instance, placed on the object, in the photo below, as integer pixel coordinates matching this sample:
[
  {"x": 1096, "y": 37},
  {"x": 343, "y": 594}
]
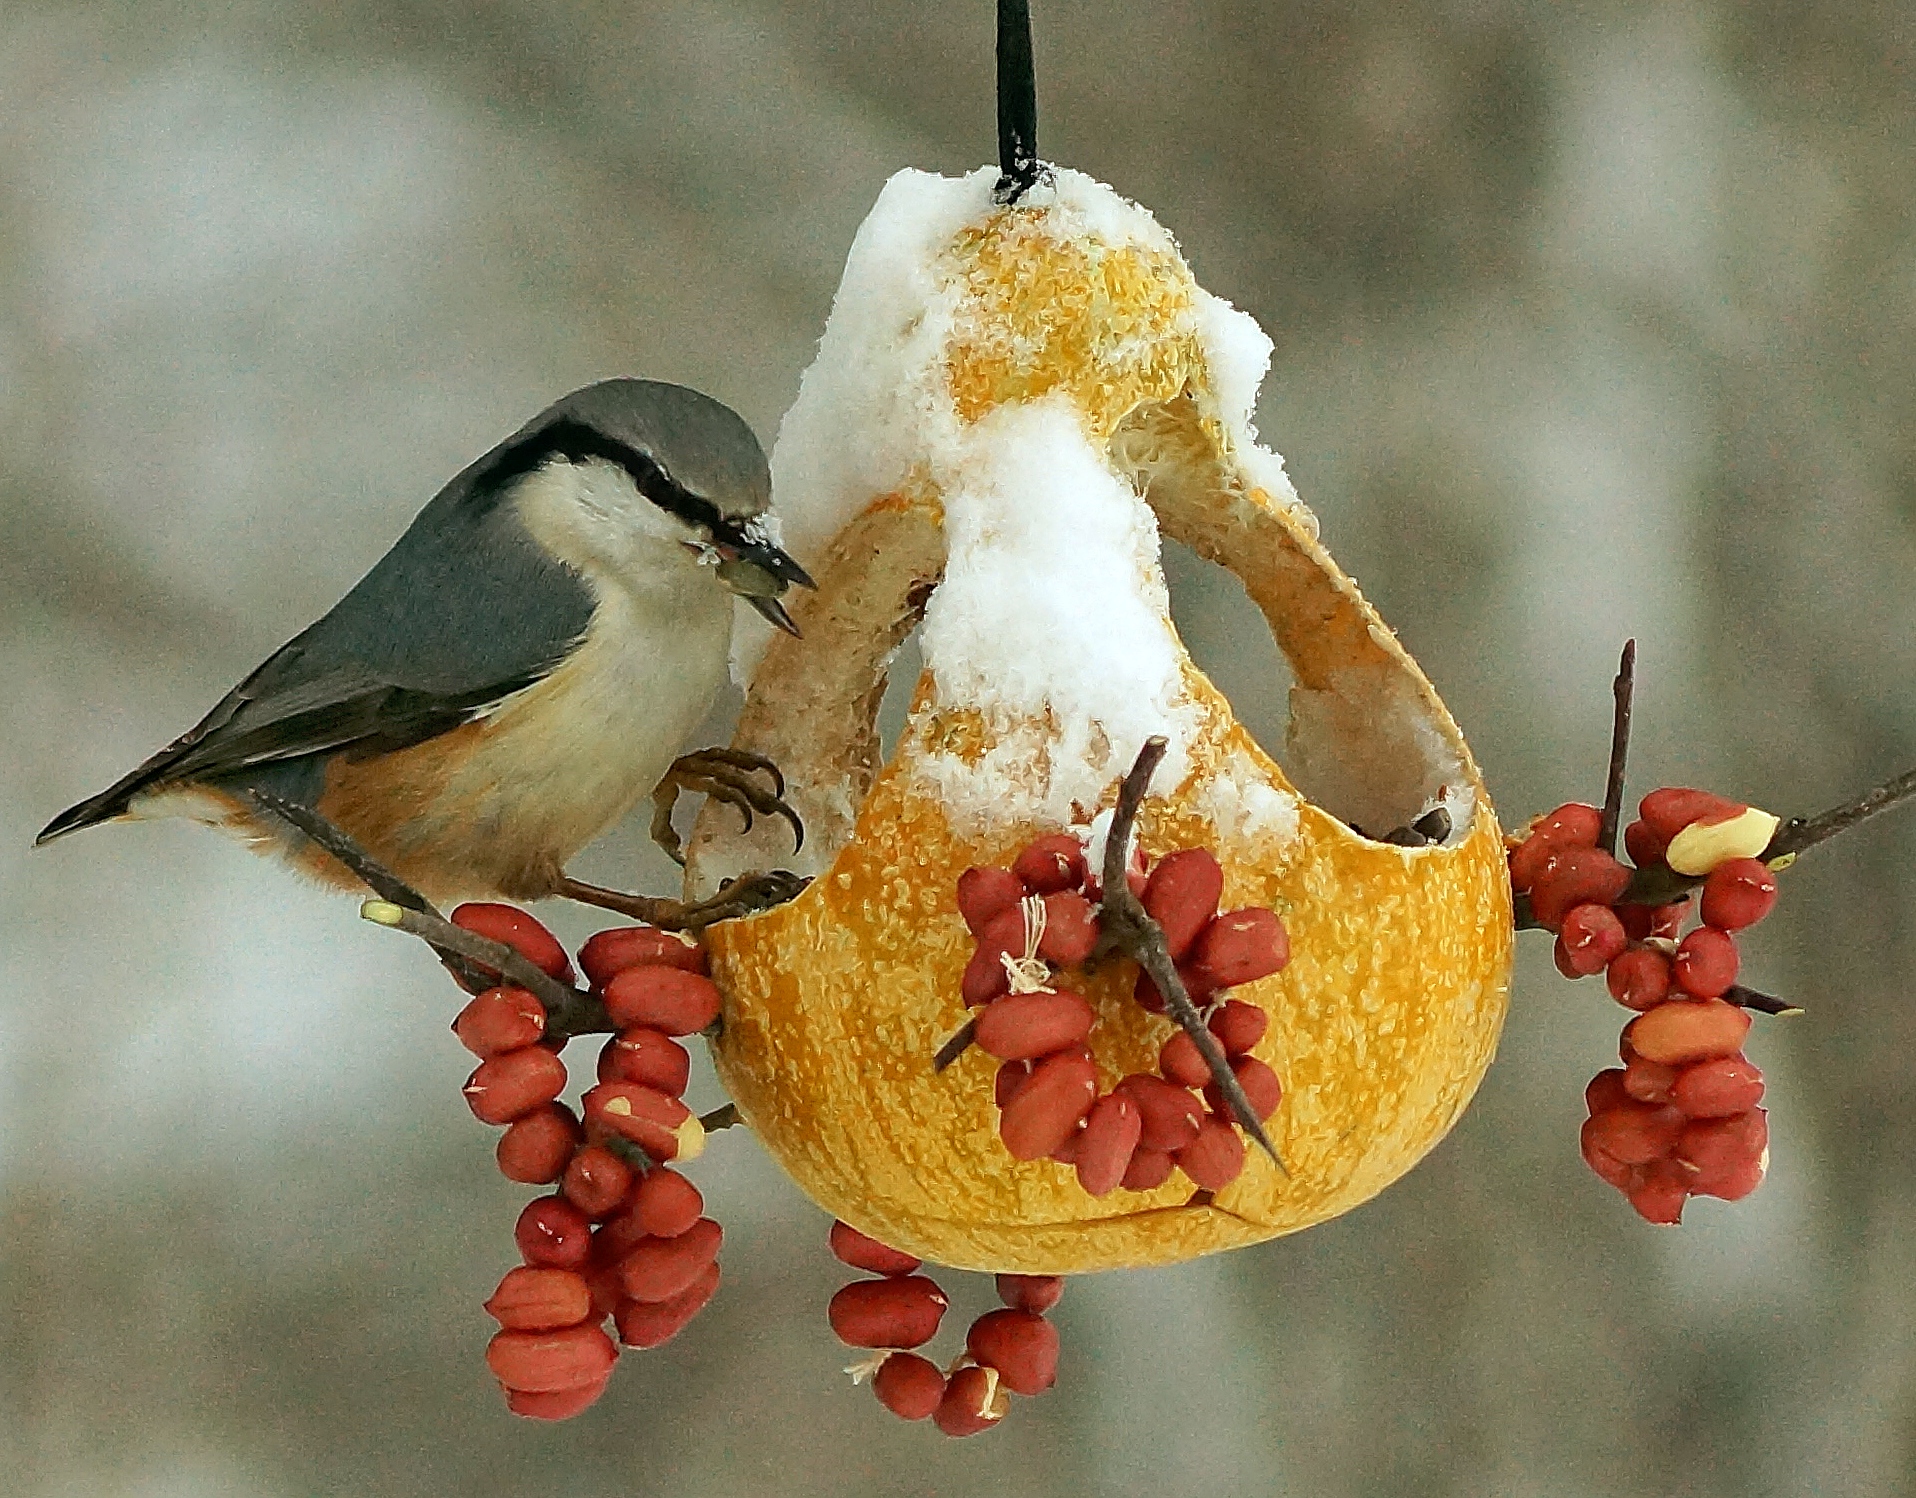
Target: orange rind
[{"x": 1388, "y": 1014}]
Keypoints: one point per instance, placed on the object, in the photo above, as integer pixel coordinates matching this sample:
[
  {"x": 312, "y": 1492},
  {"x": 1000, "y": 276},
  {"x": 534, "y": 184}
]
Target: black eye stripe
[{"x": 575, "y": 441}]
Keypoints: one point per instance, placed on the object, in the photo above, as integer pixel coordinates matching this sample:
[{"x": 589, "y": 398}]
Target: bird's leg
[
  {"x": 740, "y": 897},
  {"x": 725, "y": 774}
]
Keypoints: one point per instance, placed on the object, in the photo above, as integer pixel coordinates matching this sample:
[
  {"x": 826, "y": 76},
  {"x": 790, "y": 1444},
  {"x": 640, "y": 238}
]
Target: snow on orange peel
[{"x": 1007, "y": 405}]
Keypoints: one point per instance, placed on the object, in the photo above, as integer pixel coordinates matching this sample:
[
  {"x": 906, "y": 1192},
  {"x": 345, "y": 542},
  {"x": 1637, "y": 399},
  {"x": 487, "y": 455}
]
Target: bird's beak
[
  {"x": 756, "y": 568},
  {"x": 772, "y": 609}
]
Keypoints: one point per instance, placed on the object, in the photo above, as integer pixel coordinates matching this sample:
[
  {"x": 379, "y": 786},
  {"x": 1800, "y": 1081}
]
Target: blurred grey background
[{"x": 1590, "y": 320}]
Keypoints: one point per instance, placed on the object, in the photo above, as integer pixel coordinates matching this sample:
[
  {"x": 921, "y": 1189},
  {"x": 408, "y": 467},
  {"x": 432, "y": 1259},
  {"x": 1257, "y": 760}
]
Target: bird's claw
[{"x": 725, "y": 775}]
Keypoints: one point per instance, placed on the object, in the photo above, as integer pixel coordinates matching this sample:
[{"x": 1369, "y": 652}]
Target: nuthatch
[{"x": 517, "y": 672}]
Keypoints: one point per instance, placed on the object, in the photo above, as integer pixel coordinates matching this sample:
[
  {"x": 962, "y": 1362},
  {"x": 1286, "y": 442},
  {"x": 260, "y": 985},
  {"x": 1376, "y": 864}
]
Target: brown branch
[
  {"x": 569, "y": 1011},
  {"x": 1131, "y": 930},
  {"x": 1800, "y": 833},
  {"x": 955, "y": 1047},
  {"x": 1762, "y": 1003},
  {"x": 1622, "y": 692}
]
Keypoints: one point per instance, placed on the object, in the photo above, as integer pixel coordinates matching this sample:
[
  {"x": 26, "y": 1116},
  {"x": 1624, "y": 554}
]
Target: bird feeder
[{"x": 1010, "y": 404}]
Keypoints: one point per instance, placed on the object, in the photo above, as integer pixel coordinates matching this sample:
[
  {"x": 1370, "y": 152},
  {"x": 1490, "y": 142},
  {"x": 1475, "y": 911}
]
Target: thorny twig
[
  {"x": 1622, "y": 692},
  {"x": 1130, "y": 928}
]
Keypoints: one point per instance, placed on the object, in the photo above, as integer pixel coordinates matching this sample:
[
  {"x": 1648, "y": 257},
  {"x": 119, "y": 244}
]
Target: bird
[{"x": 516, "y": 673}]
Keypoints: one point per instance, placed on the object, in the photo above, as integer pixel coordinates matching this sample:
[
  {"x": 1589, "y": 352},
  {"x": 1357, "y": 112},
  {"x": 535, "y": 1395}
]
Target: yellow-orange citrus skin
[
  {"x": 1388, "y": 1014},
  {"x": 1382, "y": 1026}
]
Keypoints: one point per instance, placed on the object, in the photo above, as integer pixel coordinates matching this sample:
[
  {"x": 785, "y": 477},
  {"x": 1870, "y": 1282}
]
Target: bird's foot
[
  {"x": 726, "y": 775},
  {"x": 739, "y": 897}
]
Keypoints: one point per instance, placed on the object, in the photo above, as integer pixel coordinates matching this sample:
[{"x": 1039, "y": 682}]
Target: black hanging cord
[{"x": 1017, "y": 103}]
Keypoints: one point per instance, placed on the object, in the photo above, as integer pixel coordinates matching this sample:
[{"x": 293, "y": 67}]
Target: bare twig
[
  {"x": 1622, "y": 691},
  {"x": 1018, "y": 165},
  {"x": 569, "y": 1011},
  {"x": 1130, "y": 928},
  {"x": 1762, "y": 1003},
  {"x": 1800, "y": 833},
  {"x": 725, "y": 1116},
  {"x": 955, "y": 1047}
]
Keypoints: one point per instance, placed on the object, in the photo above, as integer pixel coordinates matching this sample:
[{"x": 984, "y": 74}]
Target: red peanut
[
  {"x": 1045, "y": 1111},
  {"x": 498, "y": 1020},
  {"x": 1721, "y": 1087},
  {"x": 665, "y": 1204},
  {"x": 1240, "y": 946},
  {"x": 1575, "y": 876},
  {"x": 1070, "y": 929},
  {"x": 1215, "y": 1158},
  {"x": 1681, "y": 1031},
  {"x": 555, "y": 1404},
  {"x": 660, "y": 1268},
  {"x": 1030, "y": 1292},
  {"x": 659, "y": 1125},
  {"x": 596, "y": 1181},
  {"x": 553, "y": 1234},
  {"x": 1673, "y": 808},
  {"x": 1104, "y": 1148},
  {"x": 653, "y": 1323},
  {"x": 1635, "y": 1133},
  {"x": 1169, "y": 1115},
  {"x": 1262, "y": 1090},
  {"x": 546, "y": 1362},
  {"x": 646, "y": 1056},
  {"x": 1649, "y": 1081},
  {"x": 985, "y": 976},
  {"x": 1025, "y": 1026},
  {"x": 664, "y": 998},
  {"x": 526, "y": 936},
  {"x": 1705, "y": 963},
  {"x": 1591, "y": 936},
  {"x": 1727, "y": 1153},
  {"x": 611, "y": 952},
  {"x": 509, "y": 1087},
  {"x": 1238, "y": 1026},
  {"x": 536, "y": 1300},
  {"x": 1180, "y": 1061},
  {"x": 1639, "y": 978},
  {"x": 1148, "y": 1170},
  {"x": 849, "y": 1246},
  {"x": 1181, "y": 896},
  {"x": 1738, "y": 893},
  {"x": 1050, "y": 863},
  {"x": 975, "y": 1400},
  {"x": 887, "y": 1313},
  {"x": 535, "y": 1149},
  {"x": 985, "y": 894},
  {"x": 1606, "y": 1090},
  {"x": 1021, "y": 1345},
  {"x": 909, "y": 1386}
]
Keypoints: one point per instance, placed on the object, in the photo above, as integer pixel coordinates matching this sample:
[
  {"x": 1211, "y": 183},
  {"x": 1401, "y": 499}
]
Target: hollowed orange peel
[{"x": 1383, "y": 1023}]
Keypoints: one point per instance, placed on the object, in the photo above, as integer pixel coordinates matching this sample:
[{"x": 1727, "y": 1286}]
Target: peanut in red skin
[
  {"x": 596, "y": 1181},
  {"x": 553, "y": 1234},
  {"x": 901, "y": 1312},
  {"x": 1021, "y": 1345},
  {"x": 651, "y": 1122},
  {"x": 1643, "y": 921},
  {"x": 1727, "y": 1154},
  {"x": 1635, "y": 1134},
  {"x": 1705, "y": 964},
  {"x": 1215, "y": 1158},
  {"x": 1148, "y": 1170},
  {"x": 1606, "y": 1090},
  {"x": 1649, "y": 1081},
  {"x": 1721, "y": 1087},
  {"x": 1182, "y": 1063},
  {"x": 1639, "y": 978},
  {"x": 1592, "y": 936},
  {"x": 1030, "y": 1292},
  {"x": 909, "y": 1386},
  {"x": 985, "y": 976},
  {"x": 1738, "y": 894},
  {"x": 1679, "y": 1032},
  {"x": 1044, "y": 1113},
  {"x": 1262, "y": 1089},
  {"x": 1572, "y": 825},
  {"x": 1071, "y": 929},
  {"x": 612, "y": 951},
  {"x": 1011, "y": 1076},
  {"x": 500, "y": 1020},
  {"x": 1658, "y": 1198},
  {"x": 1574, "y": 877},
  {"x": 646, "y": 1056},
  {"x": 518, "y": 930},
  {"x": 1181, "y": 896},
  {"x": 574, "y": 1357},
  {"x": 1025, "y": 1026},
  {"x": 984, "y": 894},
  {"x": 1051, "y": 863},
  {"x": 504, "y": 1088},
  {"x": 849, "y": 1246},
  {"x": 658, "y": 1269},
  {"x": 646, "y": 1324},
  {"x": 1104, "y": 1151},
  {"x": 662, "y": 998},
  {"x": 665, "y": 1204},
  {"x": 536, "y": 1300},
  {"x": 964, "y": 1410},
  {"x": 557, "y": 1404},
  {"x": 1238, "y": 1026},
  {"x": 1670, "y": 810},
  {"x": 1169, "y": 1115},
  {"x": 1240, "y": 946},
  {"x": 535, "y": 1150}
]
